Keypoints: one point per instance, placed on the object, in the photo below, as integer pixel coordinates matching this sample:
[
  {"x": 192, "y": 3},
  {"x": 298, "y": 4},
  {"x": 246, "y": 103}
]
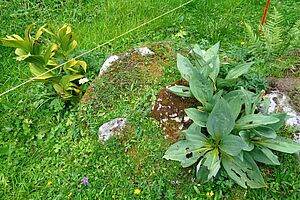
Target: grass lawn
[{"x": 52, "y": 146}]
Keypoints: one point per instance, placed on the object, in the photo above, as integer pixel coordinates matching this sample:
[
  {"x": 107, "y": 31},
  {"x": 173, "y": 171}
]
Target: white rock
[
  {"x": 173, "y": 115},
  {"x": 111, "y": 128},
  {"x": 144, "y": 51},
  {"x": 280, "y": 102},
  {"x": 186, "y": 119},
  {"x": 108, "y": 63}
]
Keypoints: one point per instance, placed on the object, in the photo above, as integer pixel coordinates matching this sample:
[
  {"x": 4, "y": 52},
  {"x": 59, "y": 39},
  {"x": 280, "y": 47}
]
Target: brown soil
[
  {"x": 169, "y": 111},
  {"x": 289, "y": 86}
]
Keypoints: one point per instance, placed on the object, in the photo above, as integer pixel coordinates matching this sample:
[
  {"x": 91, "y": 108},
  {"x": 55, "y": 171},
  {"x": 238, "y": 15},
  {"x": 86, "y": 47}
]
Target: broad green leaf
[
  {"x": 39, "y": 32},
  {"x": 195, "y": 137},
  {"x": 255, "y": 120},
  {"x": 82, "y": 64},
  {"x": 72, "y": 45},
  {"x": 184, "y": 152},
  {"x": 210, "y": 59},
  {"x": 233, "y": 94},
  {"x": 249, "y": 146},
  {"x": 248, "y": 101},
  {"x": 223, "y": 83},
  {"x": 202, "y": 172},
  {"x": 20, "y": 52},
  {"x": 180, "y": 90},
  {"x": 203, "y": 66},
  {"x": 264, "y": 155},
  {"x": 245, "y": 173},
  {"x": 282, "y": 119},
  {"x": 236, "y": 106},
  {"x": 17, "y": 42},
  {"x": 34, "y": 59},
  {"x": 51, "y": 50},
  {"x": 221, "y": 120},
  {"x": 232, "y": 145},
  {"x": 68, "y": 78},
  {"x": 58, "y": 88},
  {"x": 215, "y": 68},
  {"x": 239, "y": 70},
  {"x": 212, "y": 162},
  {"x": 37, "y": 71},
  {"x": 27, "y": 32},
  {"x": 281, "y": 144},
  {"x": 264, "y": 106},
  {"x": 197, "y": 49},
  {"x": 211, "y": 104},
  {"x": 200, "y": 118},
  {"x": 265, "y": 131},
  {"x": 201, "y": 87},
  {"x": 185, "y": 67}
]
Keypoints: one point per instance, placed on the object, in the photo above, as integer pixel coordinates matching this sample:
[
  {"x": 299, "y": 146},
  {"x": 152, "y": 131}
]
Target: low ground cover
[{"x": 52, "y": 146}]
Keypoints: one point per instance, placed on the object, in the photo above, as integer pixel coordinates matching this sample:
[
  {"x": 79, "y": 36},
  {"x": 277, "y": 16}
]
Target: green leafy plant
[
  {"x": 274, "y": 39},
  {"x": 205, "y": 84},
  {"x": 227, "y": 132},
  {"x": 47, "y": 49}
]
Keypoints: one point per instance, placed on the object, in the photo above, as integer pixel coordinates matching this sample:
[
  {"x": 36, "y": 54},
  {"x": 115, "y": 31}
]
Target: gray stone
[
  {"x": 144, "y": 51},
  {"x": 111, "y": 128},
  {"x": 279, "y": 102},
  {"x": 108, "y": 63}
]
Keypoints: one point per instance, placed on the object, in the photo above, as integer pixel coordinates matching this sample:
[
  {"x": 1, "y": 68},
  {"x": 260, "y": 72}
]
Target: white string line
[{"x": 97, "y": 47}]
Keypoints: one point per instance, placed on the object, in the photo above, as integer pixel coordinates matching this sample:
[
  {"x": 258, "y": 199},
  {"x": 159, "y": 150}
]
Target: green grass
[{"x": 61, "y": 145}]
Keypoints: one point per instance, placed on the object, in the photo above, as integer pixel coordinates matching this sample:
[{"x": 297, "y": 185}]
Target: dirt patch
[
  {"x": 169, "y": 111},
  {"x": 289, "y": 86}
]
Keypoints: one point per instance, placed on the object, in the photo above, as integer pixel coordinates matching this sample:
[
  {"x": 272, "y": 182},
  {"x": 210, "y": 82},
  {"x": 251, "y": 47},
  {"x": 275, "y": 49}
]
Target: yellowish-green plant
[{"x": 47, "y": 49}]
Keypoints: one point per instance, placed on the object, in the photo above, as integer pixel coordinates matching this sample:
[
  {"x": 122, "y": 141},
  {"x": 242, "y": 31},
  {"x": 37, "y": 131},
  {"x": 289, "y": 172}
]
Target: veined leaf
[
  {"x": 37, "y": 71},
  {"x": 201, "y": 87},
  {"x": 200, "y": 118},
  {"x": 195, "y": 137},
  {"x": 212, "y": 162},
  {"x": 16, "y": 42},
  {"x": 180, "y": 90},
  {"x": 249, "y": 146},
  {"x": 264, "y": 155},
  {"x": 281, "y": 144},
  {"x": 232, "y": 145},
  {"x": 34, "y": 59},
  {"x": 185, "y": 67},
  {"x": 245, "y": 173},
  {"x": 68, "y": 78},
  {"x": 265, "y": 131},
  {"x": 248, "y": 101},
  {"x": 72, "y": 45},
  {"x": 202, "y": 172},
  {"x": 209, "y": 61},
  {"x": 236, "y": 106},
  {"x": 185, "y": 152},
  {"x": 51, "y": 50},
  {"x": 221, "y": 120},
  {"x": 82, "y": 64},
  {"x": 211, "y": 104},
  {"x": 255, "y": 120},
  {"x": 282, "y": 119},
  {"x": 20, "y": 52},
  {"x": 239, "y": 70},
  {"x": 222, "y": 83}
]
